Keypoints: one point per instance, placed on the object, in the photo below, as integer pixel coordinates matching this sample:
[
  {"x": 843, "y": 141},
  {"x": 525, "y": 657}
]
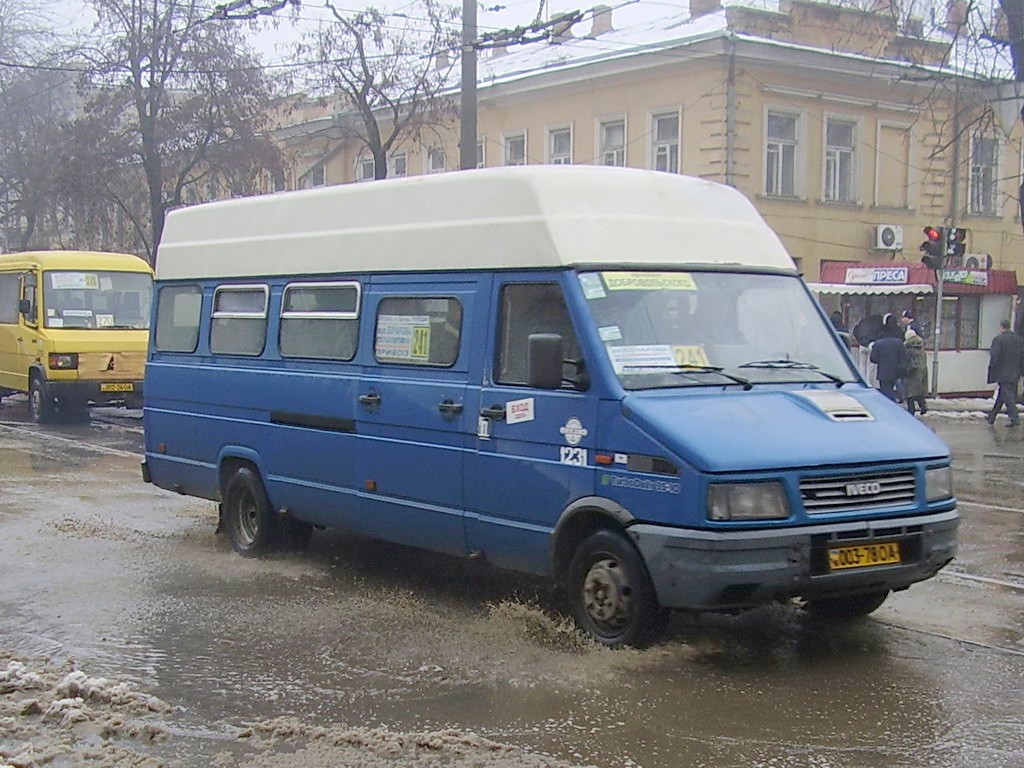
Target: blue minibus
[{"x": 616, "y": 378}]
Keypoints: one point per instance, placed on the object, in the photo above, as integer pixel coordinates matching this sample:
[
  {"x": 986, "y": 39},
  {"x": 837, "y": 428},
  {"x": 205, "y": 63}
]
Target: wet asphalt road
[{"x": 131, "y": 582}]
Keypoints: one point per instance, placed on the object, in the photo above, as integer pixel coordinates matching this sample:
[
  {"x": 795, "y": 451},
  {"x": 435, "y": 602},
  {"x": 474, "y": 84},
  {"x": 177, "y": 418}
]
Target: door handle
[
  {"x": 371, "y": 400},
  {"x": 450, "y": 407},
  {"x": 494, "y": 413}
]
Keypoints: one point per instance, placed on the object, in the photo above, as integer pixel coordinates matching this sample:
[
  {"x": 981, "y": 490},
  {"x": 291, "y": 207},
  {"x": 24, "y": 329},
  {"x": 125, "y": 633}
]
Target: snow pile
[
  {"x": 57, "y": 714},
  {"x": 338, "y": 747}
]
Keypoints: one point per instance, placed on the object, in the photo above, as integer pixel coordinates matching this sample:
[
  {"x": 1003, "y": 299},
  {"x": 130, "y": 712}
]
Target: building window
[
  {"x": 984, "y": 175},
  {"x": 515, "y": 149},
  {"x": 239, "y": 324},
  {"x": 365, "y": 169},
  {"x": 418, "y": 331},
  {"x": 320, "y": 320},
  {"x": 665, "y": 144},
  {"x": 177, "y": 318},
  {"x": 399, "y": 165},
  {"x": 435, "y": 160},
  {"x": 560, "y": 146},
  {"x": 839, "y": 161},
  {"x": 612, "y": 141},
  {"x": 780, "y": 155},
  {"x": 315, "y": 177},
  {"x": 280, "y": 182},
  {"x": 481, "y": 157}
]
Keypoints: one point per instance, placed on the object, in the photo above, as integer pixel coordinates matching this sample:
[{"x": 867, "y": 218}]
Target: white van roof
[{"x": 500, "y": 218}]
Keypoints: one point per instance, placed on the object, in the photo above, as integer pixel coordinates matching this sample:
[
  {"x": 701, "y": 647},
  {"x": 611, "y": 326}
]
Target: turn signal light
[{"x": 67, "y": 361}]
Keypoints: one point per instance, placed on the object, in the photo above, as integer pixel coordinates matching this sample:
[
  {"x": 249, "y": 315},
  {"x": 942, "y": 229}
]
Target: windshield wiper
[
  {"x": 686, "y": 370},
  {"x": 793, "y": 365}
]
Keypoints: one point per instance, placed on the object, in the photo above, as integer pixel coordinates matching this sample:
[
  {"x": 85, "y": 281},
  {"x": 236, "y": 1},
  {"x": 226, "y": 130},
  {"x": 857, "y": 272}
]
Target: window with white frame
[
  {"x": 665, "y": 142},
  {"x": 984, "y": 175},
  {"x": 435, "y": 160},
  {"x": 612, "y": 141},
  {"x": 315, "y": 177},
  {"x": 839, "y": 160},
  {"x": 399, "y": 163},
  {"x": 481, "y": 156},
  {"x": 364, "y": 169},
  {"x": 515, "y": 149},
  {"x": 780, "y": 154},
  {"x": 560, "y": 146}
]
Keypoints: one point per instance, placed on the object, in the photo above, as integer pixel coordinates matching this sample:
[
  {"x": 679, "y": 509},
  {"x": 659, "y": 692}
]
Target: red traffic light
[{"x": 933, "y": 234}]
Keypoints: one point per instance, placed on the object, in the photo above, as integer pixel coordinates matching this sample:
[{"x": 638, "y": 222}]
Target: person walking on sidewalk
[
  {"x": 1006, "y": 361},
  {"x": 887, "y": 354},
  {"x": 915, "y": 372}
]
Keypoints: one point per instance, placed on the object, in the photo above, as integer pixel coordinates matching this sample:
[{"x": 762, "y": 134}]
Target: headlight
[
  {"x": 747, "y": 501},
  {"x": 65, "y": 362},
  {"x": 938, "y": 483}
]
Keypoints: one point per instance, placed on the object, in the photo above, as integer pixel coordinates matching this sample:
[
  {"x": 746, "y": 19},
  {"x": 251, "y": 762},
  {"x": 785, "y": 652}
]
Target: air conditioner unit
[{"x": 888, "y": 237}]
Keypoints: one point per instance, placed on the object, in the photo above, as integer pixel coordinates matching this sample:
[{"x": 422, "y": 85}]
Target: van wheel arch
[
  {"x": 580, "y": 520},
  {"x": 285, "y": 533}
]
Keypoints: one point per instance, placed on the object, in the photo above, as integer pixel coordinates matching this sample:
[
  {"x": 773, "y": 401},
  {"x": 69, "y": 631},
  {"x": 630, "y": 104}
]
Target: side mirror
[
  {"x": 544, "y": 360},
  {"x": 24, "y": 307}
]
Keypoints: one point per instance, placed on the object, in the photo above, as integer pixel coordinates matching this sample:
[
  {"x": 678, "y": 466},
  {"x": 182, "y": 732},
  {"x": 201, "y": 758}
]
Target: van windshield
[
  {"x": 97, "y": 299},
  {"x": 678, "y": 329}
]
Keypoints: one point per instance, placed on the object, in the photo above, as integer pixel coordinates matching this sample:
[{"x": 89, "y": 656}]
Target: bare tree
[
  {"x": 391, "y": 73},
  {"x": 174, "y": 99}
]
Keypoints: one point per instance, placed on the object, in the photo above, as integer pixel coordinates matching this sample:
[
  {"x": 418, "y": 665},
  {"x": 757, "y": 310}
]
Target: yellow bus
[{"x": 74, "y": 327}]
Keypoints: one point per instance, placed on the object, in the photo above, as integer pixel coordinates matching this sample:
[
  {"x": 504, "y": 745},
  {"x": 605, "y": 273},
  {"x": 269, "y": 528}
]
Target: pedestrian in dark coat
[
  {"x": 887, "y": 354},
  {"x": 1006, "y": 362},
  {"x": 915, "y": 371}
]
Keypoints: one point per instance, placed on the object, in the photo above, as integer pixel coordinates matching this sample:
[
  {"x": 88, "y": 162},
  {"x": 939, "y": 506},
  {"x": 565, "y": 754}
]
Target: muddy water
[{"x": 356, "y": 652}]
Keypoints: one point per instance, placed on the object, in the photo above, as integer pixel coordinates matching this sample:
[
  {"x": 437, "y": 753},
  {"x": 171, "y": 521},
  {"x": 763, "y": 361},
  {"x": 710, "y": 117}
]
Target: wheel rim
[
  {"x": 607, "y": 594},
  {"x": 247, "y": 520},
  {"x": 35, "y": 402}
]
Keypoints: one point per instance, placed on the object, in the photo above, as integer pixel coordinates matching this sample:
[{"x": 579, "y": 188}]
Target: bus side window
[
  {"x": 28, "y": 293},
  {"x": 9, "y": 295},
  {"x": 528, "y": 308},
  {"x": 239, "y": 320},
  {"x": 177, "y": 318},
  {"x": 320, "y": 321}
]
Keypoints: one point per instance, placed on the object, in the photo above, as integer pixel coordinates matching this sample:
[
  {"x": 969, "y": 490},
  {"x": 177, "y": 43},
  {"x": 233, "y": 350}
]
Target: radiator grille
[{"x": 856, "y": 492}]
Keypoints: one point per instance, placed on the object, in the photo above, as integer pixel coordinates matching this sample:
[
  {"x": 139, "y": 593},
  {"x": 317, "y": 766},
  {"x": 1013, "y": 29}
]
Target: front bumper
[
  {"x": 82, "y": 392},
  {"x": 737, "y": 569}
]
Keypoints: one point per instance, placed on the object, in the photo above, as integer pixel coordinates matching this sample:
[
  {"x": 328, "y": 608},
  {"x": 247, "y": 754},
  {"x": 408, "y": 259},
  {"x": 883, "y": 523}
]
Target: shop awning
[
  {"x": 852, "y": 278},
  {"x": 869, "y": 290}
]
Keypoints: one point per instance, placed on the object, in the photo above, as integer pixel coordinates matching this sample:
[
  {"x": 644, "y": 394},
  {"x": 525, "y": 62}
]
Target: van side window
[
  {"x": 320, "y": 320},
  {"x": 177, "y": 318},
  {"x": 239, "y": 320},
  {"x": 531, "y": 308},
  {"x": 9, "y": 294},
  {"x": 418, "y": 331}
]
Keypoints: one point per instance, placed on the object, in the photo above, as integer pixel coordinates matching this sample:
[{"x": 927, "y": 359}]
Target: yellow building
[{"x": 838, "y": 123}]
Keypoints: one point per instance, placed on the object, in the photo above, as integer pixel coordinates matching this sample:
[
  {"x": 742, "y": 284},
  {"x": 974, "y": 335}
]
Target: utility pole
[
  {"x": 940, "y": 273},
  {"x": 467, "y": 100}
]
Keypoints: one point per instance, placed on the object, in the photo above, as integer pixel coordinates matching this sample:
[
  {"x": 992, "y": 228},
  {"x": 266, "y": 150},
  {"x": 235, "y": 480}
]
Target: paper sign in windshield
[
  {"x": 403, "y": 337},
  {"x": 591, "y": 285},
  {"x": 66, "y": 281},
  {"x": 649, "y": 281},
  {"x": 693, "y": 356},
  {"x": 647, "y": 358}
]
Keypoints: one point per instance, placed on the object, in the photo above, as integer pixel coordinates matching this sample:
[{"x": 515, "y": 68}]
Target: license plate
[
  {"x": 126, "y": 386},
  {"x": 864, "y": 556}
]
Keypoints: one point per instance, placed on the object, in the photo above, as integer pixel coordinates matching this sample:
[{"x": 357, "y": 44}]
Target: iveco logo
[{"x": 863, "y": 489}]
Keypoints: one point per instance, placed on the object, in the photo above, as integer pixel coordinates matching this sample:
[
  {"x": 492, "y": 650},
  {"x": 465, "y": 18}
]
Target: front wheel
[
  {"x": 247, "y": 516},
  {"x": 849, "y": 607},
  {"x": 610, "y": 592},
  {"x": 40, "y": 404}
]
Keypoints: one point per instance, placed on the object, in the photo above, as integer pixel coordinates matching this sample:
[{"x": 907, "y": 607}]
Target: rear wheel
[
  {"x": 247, "y": 516},
  {"x": 848, "y": 607},
  {"x": 40, "y": 404},
  {"x": 610, "y": 593}
]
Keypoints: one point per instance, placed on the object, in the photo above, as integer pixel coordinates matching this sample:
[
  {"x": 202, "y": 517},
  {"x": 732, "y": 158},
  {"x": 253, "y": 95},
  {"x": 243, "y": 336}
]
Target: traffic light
[
  {"x": 934, "y": 248},
  {"x": 956, "y": 243}
]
